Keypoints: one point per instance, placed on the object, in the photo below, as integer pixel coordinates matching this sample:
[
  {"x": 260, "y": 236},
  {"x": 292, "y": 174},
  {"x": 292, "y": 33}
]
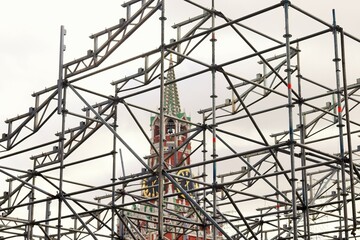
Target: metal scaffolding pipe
[{"x": 248, "y": 148}]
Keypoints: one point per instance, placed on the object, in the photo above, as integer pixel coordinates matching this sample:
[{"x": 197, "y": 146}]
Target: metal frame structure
[{"x": 255, "y": 181}]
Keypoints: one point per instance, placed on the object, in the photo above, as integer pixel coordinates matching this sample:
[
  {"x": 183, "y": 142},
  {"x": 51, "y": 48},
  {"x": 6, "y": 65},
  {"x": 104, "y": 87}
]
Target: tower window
[{"x": 170, "y": 127}]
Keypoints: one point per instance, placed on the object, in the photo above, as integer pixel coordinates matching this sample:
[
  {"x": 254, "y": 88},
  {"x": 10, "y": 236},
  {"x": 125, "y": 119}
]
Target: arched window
[{"x": 170, "y": 127}]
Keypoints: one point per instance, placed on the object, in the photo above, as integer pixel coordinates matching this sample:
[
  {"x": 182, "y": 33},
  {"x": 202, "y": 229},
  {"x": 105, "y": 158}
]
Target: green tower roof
[{"x": 171, "y": 95}]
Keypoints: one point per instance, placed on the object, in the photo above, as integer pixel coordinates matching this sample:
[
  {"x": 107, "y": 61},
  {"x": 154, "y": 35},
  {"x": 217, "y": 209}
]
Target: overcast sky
[
  {"x": 29, "y": 43},
  {"x": 30, "y": 36}
]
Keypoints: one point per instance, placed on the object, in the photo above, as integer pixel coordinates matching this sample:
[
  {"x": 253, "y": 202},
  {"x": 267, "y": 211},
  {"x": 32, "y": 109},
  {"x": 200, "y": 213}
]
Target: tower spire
[{"x": 171, "y": 95}]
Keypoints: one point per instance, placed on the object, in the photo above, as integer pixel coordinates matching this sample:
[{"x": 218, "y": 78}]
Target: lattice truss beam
[{"x": 274, "y": 157}]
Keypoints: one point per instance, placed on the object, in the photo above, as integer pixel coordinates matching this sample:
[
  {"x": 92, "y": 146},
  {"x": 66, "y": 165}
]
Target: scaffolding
[{"x": 275, "y": 135}]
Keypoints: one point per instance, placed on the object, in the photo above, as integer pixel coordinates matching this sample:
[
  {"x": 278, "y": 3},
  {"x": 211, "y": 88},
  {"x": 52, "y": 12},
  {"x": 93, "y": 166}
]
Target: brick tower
[{"x": 177, "y": 152}]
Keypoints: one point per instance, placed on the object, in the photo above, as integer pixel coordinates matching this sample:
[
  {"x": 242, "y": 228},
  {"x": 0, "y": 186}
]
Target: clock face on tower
[
  {"x": 184, "y": 183},
  {"x": 150, "y": 186}
]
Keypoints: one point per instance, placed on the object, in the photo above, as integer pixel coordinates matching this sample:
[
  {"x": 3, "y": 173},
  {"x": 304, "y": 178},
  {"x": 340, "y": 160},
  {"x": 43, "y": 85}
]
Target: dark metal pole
[
  {"x": 340, "y": 126},
  {"x": 162, "y": 129},
  {"x": 61, "y": 110},
  {"x": 204, "y": 174},
  {"x": 304, "y": 181},
  {"x": 123, "y": 197},
  {"x": 213, "y": 99},
  {"x": 29, "y": 227},
  {"x": 61, "y": 70},
  {"x": 291, "y": 127},
  {"x": 113, "y": 179},
  {"x": 348, "y": 131}
]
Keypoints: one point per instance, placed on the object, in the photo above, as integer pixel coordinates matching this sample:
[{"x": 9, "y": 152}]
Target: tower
[
  {"x": 176, "y": 148},
  {"x": 176, "y": 127},
  {"x": 177, "y": 151}
]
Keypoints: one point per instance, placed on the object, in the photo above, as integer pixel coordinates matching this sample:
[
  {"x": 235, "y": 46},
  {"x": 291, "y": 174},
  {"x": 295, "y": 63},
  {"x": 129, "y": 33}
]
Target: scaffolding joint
[
  {"x": 345, "y": 195},
  {"x": 65, "y": 83},
  {"x": 300, "y": 101},
  {"x": 121, "y": 192},
  {"x": 64, "y": 111},
  {"x": 283, "y": 2},
  {"x": 59, "y": 196},
  {"x": 345, "y": 159},
  {"x": 290, "y": 105},
  {"x": 293, "y": 179},
  {"x": 291, "y": 142},
  {"x": 212, "y": 126},
  {"x": 162, "y": 47},
  {"x": 302, "y": 207},
  {"x": 118, "y": 99},
  {"x": 216, "y": 186},
  {"x": 337, "y": 28},
  {"x": 33, "y": 173},
  {"x": 32, "y": 223},
  {"x": 218, "y": 13},
  {"x": 215, "y": 67},
  {"x": 203, "y": 175}
]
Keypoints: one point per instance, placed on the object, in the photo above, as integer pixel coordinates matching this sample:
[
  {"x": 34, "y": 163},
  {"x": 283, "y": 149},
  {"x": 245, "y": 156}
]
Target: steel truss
[{"x": 294, "y": 180}]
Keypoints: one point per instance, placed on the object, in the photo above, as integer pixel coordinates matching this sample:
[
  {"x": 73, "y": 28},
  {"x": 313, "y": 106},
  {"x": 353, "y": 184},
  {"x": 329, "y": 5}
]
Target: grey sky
[
  {"x": 30, "y": 36},
  {"x": 30, "y": 40},
  {"x": 30, "y": 44}
]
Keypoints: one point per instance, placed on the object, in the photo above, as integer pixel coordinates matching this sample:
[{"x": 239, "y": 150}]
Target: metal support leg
[
  {"x": 162, "y": 129},
  {"x": 340, "y": 126},
  {"x": 291, "y": 127}
]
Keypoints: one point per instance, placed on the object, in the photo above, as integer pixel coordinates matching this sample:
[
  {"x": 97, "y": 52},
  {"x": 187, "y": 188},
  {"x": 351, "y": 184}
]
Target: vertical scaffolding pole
[
  {"x": 113, "y": 179},
  {"x": 277, "y": 198},
  {"x": 338, "y": 187},
  {"x": 47, "y": 216},
  {"x": 340, "y": 126},
  {"x": 30, "y": 226},
  {"x": 36, "y": 115},
  {"x": 204, "y": 175},
  {"x": 162, "y": 128},
  {"x": 9, "y": 193},
  {"x": 61, "y": 63},
  {"x": 348, "y": 135},
  {"x": 122, "y": 232},
  {"x": 213, "y": 98},
  {"x": 178, "y": 32},
  {"x": 287, "y": 37},
  {"x": 304, "y": 183},
  {"x": 61, "y": 108}
]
